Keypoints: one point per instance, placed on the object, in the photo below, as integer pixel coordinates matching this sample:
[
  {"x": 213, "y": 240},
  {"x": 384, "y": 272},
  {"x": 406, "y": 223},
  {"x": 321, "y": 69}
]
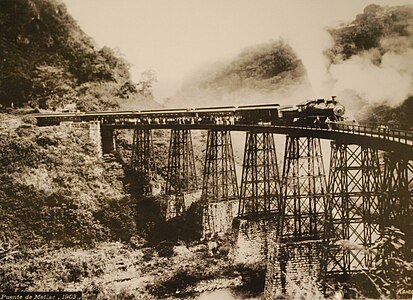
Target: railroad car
[
  {"x": 215, "y": 115},
  {"x": 262, "y": 113}
]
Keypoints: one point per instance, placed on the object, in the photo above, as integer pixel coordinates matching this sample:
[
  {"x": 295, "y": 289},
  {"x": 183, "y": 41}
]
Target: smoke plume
[{"x": 371, "y": 61}]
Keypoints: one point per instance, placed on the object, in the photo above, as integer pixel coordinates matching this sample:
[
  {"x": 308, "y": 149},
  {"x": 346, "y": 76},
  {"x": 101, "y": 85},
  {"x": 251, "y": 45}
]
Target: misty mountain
[
  {"x": 47, "y": 61},
  {"x": 377, "y": 49},
  {"x": 257, "y": 74},
  {"x": 270, "y": 67}
]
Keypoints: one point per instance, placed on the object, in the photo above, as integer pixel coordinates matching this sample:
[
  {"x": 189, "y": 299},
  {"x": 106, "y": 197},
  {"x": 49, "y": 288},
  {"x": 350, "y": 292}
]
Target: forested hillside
[
  {"x": 269, "y": 66},
  {"x": 47, "y": 61},
  {"x": 378, "y": 43},
  {"x": 257, "y": 74},
  {"x": 54, "y": 189}
]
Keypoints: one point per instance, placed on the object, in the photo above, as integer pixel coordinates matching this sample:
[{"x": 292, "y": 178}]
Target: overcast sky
[{"x": 175, "y": 37}]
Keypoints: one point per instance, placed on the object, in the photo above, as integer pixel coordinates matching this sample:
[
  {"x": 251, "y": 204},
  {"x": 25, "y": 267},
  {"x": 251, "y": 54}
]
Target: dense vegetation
[
  {"x": 48, "y": 61},
  {"x": 269, "y": 66},
  {"x": 384, "y": 37},
  {"x": 382, "y": 28},
  {"x": 396, "y": 117},
  {"x": 55, "y": 190}
]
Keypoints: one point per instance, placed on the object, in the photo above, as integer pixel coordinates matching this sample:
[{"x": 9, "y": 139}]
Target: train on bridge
[{"x": 314, "y": 113}]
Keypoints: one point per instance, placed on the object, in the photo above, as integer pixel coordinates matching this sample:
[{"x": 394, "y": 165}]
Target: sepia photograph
[{"x": 206, "y": 150}]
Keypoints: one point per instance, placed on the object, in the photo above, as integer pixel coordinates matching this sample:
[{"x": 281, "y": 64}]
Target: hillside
[
  {"x": 48, "y": 61},
  {"x": 55, "y": 189},
  {"x": 257, "y": 74},
  {"x": 70, "y": 222},
  {"x": 269, "y": 66}
]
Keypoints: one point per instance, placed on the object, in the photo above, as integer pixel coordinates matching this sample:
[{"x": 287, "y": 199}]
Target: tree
[
  {"x": 52, "y": 87},
  {"x": 148, "y": 78},
  {"x": 394, "y": 274}
]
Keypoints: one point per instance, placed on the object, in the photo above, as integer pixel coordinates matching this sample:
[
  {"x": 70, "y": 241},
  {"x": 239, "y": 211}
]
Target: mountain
[
  {"x": 269, "y": 67},
  {"x": 258, "y": 74},
  {"x": 47, "y": 61}
]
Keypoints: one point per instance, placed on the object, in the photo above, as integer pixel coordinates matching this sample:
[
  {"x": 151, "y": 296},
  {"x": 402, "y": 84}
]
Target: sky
[{"x": 176, "y": 37}]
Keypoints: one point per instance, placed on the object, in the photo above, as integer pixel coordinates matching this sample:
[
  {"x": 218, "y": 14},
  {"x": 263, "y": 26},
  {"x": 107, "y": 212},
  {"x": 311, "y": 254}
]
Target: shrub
[
  {"x": 253, "y": 277},
  {"x": 118, "y": 217},
  {"x": 165, "y": 249},
  {"x": 176, "y": 283},
  {"x": 29, "y": 120}
]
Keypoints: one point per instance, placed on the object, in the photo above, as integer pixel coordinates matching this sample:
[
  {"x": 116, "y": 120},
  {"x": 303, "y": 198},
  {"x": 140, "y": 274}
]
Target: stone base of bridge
[
  {"x": 251, "y": 238},
  {"x": 176, "y": 205},
  {"x": 292, "y": 269},
  {"x": 218, "y": 217},
  {"x": 95, "y": 136}
]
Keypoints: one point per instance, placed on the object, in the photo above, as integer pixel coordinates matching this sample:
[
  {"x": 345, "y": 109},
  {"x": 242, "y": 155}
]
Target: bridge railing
[
  {"x": 382, "y": 132},
  {"x": 395, "y": 135}
]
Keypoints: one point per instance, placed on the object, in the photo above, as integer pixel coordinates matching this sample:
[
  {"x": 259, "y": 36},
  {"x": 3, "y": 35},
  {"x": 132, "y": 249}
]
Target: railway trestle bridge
[{"x": 325, "y": 225}]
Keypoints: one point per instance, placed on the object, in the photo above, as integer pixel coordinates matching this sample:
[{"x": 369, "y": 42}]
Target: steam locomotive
[
  {"x": 313, "y": 113},
  {"x": 318, "y": 113}
]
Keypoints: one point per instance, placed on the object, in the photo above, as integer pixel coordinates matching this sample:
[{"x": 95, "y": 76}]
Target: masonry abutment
[
  {"x": 96, "y": 137},
  {"x": 219, "y": 187}
]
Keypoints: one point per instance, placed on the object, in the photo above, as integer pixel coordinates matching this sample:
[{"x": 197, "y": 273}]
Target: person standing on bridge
[
  {"x": 328, "y": 123},
  {"x": 317, "y": 122}
]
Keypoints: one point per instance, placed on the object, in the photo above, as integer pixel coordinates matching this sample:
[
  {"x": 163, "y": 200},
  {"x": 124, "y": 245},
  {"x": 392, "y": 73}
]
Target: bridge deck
[
  {"x": 388, "y": 140},
  {"x": 371, "y": 136}
]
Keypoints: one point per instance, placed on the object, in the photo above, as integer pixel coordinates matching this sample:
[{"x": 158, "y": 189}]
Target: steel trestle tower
[
  {"x": 220, "y": 181},
  {"x": 181, "y": 176},
  {"x": 397, "y": 198},
  {"x": 142, "y": 159},
  {"x": 260, "y": 185},
  {"x": 353, "y": 213},
  {"x": 304, "y": 189},
  {"x": 295, "y": 253}
]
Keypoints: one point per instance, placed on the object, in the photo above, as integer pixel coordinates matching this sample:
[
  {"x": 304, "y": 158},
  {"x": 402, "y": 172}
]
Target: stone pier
[{"x": 251, "y": 238}]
